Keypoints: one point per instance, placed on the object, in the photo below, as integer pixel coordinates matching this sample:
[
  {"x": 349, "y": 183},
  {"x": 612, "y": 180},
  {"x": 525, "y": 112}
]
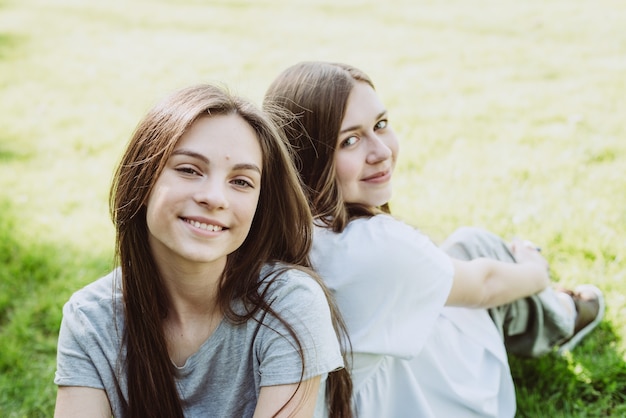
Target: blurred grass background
[{"x": 511, "y": 116}]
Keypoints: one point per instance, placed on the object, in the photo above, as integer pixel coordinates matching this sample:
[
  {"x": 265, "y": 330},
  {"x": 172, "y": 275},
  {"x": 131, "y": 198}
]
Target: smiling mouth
[
  {"x": 206, "y": 227},
  {"x": 377, "y": 175}
]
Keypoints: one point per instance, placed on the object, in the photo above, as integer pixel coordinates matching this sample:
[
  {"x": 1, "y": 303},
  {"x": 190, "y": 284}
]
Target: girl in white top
[
  {"x": 418, "y": 348},
  {"x": 213, "y": 311}
]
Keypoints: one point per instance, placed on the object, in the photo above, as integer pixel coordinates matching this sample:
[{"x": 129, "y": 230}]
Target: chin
[{"x": 383, "y": 200}]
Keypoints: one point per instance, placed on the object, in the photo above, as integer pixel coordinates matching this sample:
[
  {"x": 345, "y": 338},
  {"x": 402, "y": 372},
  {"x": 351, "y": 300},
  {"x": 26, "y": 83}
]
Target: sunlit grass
[{"x": 510, "y": 116}]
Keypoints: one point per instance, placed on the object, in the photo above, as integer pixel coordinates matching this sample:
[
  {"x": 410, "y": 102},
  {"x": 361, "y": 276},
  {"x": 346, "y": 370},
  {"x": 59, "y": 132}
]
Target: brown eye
[
  {"x": 188, "y": 170},
  {"x": 242, "y": 183}
]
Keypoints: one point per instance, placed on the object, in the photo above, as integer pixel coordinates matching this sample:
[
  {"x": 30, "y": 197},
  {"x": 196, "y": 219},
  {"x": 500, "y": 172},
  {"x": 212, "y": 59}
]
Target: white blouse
[{"x": 412, "y": 357}]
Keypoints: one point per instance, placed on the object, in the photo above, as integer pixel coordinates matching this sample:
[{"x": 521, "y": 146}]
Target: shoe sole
[{"x": 573, "y": 342}]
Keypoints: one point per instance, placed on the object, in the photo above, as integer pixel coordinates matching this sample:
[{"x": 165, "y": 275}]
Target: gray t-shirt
[{"x": 223, "y": 378}]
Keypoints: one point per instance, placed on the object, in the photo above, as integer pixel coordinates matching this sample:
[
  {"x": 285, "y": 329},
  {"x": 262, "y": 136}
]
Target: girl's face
[
  {"x": 367, "y": 149},
  {"x": 203, "y": 203}
]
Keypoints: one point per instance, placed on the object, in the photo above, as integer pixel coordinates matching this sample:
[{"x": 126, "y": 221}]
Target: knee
[
  {"x": 468, "y": 234},
  {"x": 460, "y": 243},
  {"x": 470, "y": 242}
]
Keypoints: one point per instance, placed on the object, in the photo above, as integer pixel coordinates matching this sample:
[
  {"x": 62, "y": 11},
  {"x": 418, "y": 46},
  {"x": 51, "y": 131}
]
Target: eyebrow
[
  {"x": 193, "y": 154},
  {"x": 354, "y": 128}
]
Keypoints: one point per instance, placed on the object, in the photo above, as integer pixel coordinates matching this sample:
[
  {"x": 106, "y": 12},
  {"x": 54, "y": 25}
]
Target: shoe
[{"x": 590, "y": 306}]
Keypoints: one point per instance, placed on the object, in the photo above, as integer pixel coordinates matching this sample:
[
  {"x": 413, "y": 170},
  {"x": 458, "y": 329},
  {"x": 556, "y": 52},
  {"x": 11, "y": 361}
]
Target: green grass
[{"x": 510, "y": 114}]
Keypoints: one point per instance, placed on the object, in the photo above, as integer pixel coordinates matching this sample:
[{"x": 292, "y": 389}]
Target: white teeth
[{"x": 207, "y": 227}]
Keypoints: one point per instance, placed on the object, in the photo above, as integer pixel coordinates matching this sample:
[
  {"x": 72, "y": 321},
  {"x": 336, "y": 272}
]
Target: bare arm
[
  {"x": 485, "y": 283},
  {"x": 272, "y": 398},
  {"x": 75, "y": 401}
]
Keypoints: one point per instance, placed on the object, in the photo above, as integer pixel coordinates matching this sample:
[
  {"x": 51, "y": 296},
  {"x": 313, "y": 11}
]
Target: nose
[
  {"x": 212, "y": 193},
  {"x": 378, "y": 150}
]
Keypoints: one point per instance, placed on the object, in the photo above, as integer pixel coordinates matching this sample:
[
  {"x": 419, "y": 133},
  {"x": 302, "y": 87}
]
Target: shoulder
[
  {"x": 96, "y": 301},
  {"x": 295, "y": 296},
  {"x": 89, "y": 336},
  {"x": 104, "y": 289},
  {"x": 290, "y": 282},
  {"x": 299, "y": 324},
  {"x": 381, "y": 228},
  {"x": 373, "y": 238},
  {"x": 373, "y": 254}
]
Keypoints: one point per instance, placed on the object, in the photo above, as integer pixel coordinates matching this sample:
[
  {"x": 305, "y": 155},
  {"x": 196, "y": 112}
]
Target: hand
[{"x": 525, "y": 251}]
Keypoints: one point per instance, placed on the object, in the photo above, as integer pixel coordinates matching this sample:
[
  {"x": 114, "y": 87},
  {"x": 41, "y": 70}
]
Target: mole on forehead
[{"x": 242, "y": 166}]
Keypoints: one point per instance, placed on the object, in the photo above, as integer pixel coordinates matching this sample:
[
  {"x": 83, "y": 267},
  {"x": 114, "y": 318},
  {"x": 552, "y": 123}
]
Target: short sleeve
[
  {"x": 89, "y": 338},
  {"x": 390, "y": 282},
  {"x": 75, "y": 366},
  {"x": 297, "y": 298}
]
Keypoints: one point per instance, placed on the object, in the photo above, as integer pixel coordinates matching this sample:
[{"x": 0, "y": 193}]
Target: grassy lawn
[{"x": 511, "y": 117}]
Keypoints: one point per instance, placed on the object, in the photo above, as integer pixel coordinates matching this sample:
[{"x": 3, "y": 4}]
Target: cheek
[
  {"x": 152, "y": 207},
  {"x": 347, "y": 169},
  {"x": 247, "y": 207},
  {"x": 394, "y": 146}
]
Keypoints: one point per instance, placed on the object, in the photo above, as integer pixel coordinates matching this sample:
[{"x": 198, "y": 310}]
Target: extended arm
[
  {"x": 485, "y": 283},
  {"x": 80, "y": 402},
  {"x": 302, "y": 405}
]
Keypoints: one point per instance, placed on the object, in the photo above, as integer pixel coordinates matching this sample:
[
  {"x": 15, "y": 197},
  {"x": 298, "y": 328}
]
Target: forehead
[
  {"x": 363, "y": 104},
  {"x": 228, "y": 136}
]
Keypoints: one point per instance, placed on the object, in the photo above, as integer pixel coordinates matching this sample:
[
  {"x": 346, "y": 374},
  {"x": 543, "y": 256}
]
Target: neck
[
  {"x": 192, "y": 289},
  {"x": 194, "y": 309}
]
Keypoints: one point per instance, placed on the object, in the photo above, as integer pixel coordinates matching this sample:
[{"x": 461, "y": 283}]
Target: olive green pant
[{"x": 531, "y": 326}]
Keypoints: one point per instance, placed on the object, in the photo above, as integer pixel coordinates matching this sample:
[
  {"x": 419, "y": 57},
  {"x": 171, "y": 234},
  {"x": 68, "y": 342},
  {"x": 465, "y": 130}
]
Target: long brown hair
[
  {"x": 316, "y": 93},
  {"x": 280, "y": 232}
]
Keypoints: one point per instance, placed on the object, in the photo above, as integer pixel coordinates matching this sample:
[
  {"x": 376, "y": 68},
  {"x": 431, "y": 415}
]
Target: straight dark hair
[{"x": 281, "y": 234}]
